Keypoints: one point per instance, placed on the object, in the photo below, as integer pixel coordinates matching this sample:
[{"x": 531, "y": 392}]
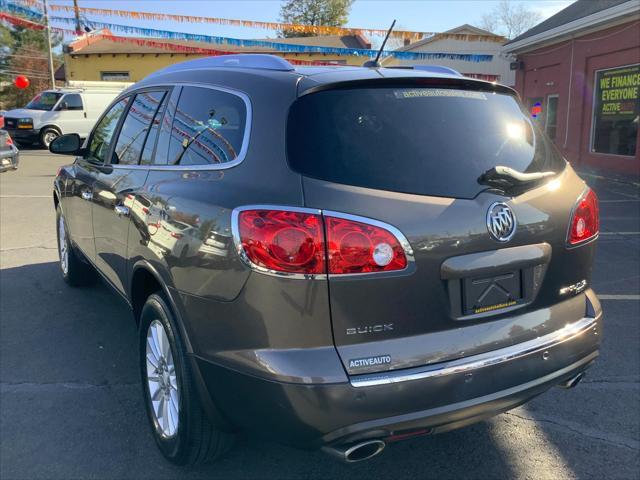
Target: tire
[
  {"x": 48, "y": 135},
  {"x": 75, "y": 271},
  {"x": 166, "y": 376}
]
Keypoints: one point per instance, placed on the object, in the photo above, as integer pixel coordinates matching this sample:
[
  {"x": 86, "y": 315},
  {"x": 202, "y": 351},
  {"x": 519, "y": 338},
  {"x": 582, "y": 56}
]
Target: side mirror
[
  {"x": 63, "y": 106},
  {"x": 66, "y": 145}
]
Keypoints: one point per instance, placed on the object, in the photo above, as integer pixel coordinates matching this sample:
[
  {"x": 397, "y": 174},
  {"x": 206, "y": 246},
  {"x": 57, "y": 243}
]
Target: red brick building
[{"x": 579, "y": 73}]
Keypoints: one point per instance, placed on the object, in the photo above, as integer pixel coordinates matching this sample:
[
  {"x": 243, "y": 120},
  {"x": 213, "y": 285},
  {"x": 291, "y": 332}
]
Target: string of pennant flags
[
  {"x": 171, "y": 47},
  {"x": 246, "y": 43},
  {"x": 300, "y": 28}
]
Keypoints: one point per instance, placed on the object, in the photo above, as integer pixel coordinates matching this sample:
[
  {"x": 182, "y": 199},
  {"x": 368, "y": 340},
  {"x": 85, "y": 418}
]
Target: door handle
[
  {"x": 87, "y": 195},
  {"x": 121, "y": 210}
]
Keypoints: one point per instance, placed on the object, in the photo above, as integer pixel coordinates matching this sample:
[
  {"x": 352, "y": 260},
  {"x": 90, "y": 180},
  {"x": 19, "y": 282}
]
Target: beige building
[
  {"x": 97, "y": 56},
  {"x": 497, "y": 69}
]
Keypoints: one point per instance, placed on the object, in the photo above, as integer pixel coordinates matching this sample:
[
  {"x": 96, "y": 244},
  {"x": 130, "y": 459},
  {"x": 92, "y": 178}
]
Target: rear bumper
[
  {"x": 9, "y": 159},
  {"x": 370, "y": 406}
]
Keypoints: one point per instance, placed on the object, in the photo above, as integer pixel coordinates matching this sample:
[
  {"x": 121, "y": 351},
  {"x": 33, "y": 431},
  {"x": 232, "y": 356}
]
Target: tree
[
  {"x": 332, "y": 13},
  {"x": 23, "y": 52},
  {"x": 509, "y": 20}
]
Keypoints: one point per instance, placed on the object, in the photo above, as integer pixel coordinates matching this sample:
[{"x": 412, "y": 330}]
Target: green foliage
[
  {"x": 24, "y": 52},
  {"x": 332, "y": 13}
]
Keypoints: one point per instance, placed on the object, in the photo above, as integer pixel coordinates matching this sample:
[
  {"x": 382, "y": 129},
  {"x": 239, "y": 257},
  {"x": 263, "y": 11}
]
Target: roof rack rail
[
  {"x": 429, "y": 68},
  {"x": 242, "y": 60}
]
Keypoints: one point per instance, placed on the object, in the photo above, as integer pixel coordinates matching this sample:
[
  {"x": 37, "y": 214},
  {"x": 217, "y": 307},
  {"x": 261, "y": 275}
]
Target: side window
[
  {"x": 149, "y": 145},
  {"x": 208, "y": 127},
  {"x": 136, "y": 126},
  {"x": 72, "y": 101},
  {"x": 102, "y": 134}
]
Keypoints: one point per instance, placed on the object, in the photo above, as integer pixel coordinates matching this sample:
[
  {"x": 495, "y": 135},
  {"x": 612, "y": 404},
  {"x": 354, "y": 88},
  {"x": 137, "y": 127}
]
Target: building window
[
  {"x": 115, "y": 76},
  {"x": 616, "y": 109},
  {"x": 551, "y": 121}
]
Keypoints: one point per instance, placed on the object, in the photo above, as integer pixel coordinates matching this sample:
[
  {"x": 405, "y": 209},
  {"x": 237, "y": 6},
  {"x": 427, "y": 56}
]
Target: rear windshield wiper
[{"x": 507, "y": 178}]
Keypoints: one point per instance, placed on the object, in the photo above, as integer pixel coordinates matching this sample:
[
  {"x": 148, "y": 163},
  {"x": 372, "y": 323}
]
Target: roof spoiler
[{"x": 429, "y": 68}]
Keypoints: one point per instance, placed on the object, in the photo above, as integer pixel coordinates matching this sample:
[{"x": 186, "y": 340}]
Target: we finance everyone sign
[
  {"x": 617, "y": 91},
  {"x": 616, "y": 111}
]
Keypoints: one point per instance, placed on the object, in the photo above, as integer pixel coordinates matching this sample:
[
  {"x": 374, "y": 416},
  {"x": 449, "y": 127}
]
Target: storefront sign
[
  {"x": 616, "y": 110},
  {"x": 618, "y": 91}
]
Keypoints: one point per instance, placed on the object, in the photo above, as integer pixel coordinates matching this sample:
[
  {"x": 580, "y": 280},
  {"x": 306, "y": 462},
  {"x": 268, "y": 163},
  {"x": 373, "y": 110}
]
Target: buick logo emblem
[{"x": 501, "y": 222}]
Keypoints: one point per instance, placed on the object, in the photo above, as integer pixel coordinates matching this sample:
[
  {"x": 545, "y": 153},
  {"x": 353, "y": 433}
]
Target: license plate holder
[{"x": 492, "y": 293}]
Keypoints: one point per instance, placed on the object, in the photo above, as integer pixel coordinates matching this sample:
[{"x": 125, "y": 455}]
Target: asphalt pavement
[{"x": 71, "y": 403}]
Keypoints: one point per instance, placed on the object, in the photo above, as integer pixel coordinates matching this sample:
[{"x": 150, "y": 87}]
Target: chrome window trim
[
  {"x": 406, "y": 246},
  {"x": 235, "y": 232},
  {"x": 189, "y": 168},
  {"x": 476, "y": 362}
]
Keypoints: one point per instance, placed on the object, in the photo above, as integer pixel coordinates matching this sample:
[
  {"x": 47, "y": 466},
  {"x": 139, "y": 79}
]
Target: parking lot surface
[{"x": 71, "y": 403}]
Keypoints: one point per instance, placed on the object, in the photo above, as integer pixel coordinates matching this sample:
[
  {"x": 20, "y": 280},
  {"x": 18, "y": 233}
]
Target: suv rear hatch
[{"x": 412, "y": 155}]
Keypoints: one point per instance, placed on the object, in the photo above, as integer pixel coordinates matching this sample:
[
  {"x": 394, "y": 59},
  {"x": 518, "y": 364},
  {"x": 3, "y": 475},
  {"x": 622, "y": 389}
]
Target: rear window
[{"x": 426, "y": 141}]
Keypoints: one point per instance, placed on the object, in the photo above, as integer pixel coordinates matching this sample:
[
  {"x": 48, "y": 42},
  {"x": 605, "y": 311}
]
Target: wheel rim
[
  {"x": 49, "y": 137},
  {"x": 162, "y": 381},
  {"x": 62, "y": 246}
]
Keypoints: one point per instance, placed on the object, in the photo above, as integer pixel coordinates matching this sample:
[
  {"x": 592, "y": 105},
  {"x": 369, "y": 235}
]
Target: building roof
[
  {"x": 98, "y": 43},
  {"x": 575, "y": 11},
  {"x": 464, "y": 29}
]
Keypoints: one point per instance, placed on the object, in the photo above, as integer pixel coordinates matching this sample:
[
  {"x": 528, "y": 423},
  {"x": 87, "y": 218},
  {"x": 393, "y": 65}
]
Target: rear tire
[
  {"x": 74, "y": 271},
  {"x": 178, "y": 423}
]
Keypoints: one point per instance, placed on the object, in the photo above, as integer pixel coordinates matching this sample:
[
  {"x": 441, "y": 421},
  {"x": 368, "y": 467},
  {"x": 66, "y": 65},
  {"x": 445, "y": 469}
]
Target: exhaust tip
[
  {"x": 364, "y": 451},
  {"x": 358, "y": 452},
  {"x": 572, "y": 382}
]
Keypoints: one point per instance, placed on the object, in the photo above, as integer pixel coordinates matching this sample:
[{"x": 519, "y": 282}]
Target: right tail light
[
  {"x": 585, "y": 221},
  {"x": 308, "y": 242}
]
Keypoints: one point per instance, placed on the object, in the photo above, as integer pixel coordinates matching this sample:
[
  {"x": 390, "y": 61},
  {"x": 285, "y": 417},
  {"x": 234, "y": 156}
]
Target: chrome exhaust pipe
[
  {"x": 572, "y": 382},
  {"x": 356, "y": 452}
]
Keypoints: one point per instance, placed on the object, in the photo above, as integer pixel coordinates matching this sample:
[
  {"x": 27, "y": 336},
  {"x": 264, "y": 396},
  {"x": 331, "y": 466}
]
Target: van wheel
[
  {"x": 179, "y": 425},
  {"x": 74, "y": 271},
  {"x": 48, "y": 135}
]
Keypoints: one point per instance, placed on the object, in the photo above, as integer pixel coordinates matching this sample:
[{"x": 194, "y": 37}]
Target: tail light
[
  {"x": 283, "y": 241},
  {"x": 176, "y": 235},
  {"x": 585, "y": 221},
  {"x": 356, "y": 247},
  {"x": 301, "y": 241},
  {"x": 9, "y": 141}
]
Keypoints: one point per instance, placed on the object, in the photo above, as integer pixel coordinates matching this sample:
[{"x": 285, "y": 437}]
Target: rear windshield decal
[{"x": 438, "y": 92}]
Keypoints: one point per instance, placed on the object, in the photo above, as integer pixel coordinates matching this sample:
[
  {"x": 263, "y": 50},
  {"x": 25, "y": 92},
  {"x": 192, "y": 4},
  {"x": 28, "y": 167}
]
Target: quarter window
[
  {"x": 136, "y": 126},
  {"x": 208, "y": 127},
  {"x": 103, "y": 133}
]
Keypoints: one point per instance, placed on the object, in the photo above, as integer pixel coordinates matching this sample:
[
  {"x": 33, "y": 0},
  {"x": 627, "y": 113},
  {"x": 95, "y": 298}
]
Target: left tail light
[
  {"x": 300, "y": 241},
  {"x": 9, "y": 141},
  {"x": 585, "y": 220}
]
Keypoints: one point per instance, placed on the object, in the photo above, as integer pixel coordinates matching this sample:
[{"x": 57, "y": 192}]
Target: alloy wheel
[{"x": 162, "y": 381}]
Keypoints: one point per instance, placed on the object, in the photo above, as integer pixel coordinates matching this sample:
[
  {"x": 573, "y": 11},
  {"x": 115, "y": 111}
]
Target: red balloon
[{"x": 21, "y": 82}]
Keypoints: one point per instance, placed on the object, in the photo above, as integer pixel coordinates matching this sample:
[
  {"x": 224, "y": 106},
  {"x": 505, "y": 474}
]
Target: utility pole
[
  {"x": 48, "y": 31},
  {"x": 76, "y": 13}
]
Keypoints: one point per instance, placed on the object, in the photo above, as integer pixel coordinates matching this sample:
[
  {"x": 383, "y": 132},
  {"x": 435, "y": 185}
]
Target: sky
[{"x": 419, "y": 15}]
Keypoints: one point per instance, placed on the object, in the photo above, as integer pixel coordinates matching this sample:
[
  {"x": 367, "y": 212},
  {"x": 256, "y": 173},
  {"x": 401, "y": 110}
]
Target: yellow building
[{"x": 100, "y": 56}]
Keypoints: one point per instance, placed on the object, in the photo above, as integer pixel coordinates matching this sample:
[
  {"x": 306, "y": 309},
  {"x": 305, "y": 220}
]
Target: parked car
[
  {"x": 410, "y": 252},
  {"x": 9, "y": 154},
  {"x": 55, "y": 112}
]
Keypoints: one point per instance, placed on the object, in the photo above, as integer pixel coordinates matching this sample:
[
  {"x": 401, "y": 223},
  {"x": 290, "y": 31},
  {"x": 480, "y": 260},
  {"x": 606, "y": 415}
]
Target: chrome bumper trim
[{"x": 475, "y": 362}]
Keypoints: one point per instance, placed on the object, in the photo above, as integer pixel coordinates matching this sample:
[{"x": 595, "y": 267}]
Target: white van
[{"x": 55, "y": 112}]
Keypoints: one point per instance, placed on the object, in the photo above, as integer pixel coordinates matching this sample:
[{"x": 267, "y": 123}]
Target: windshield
[
  {"x": 44, "y": 101},
  {"x": 427, "y": 141}
]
